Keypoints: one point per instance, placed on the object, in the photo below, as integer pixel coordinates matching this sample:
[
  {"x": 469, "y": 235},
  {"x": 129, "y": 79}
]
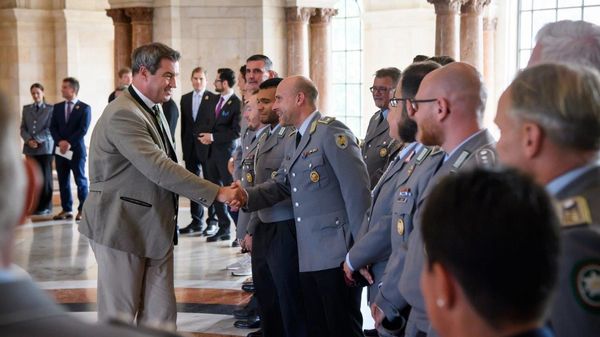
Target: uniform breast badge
[
  {"x": 314, "y": 176},
  {"x": 400, "y": 226},
  {"x": 383, "y": 152},
  {"x": 249, "y": 177}
]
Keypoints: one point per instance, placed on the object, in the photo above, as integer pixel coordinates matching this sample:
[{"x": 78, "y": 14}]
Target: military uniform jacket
[
  {"x": 27, "y": 311},
  {"x": 329, "y": 187},
  {"x": 35, "y": 124},
  {"x": 247, "y": 180},
  {"x": 410, "y": 184},
  {"x": 478, "y": 151},
  {"x": 133, "y": 182},
  {"x": 238, "y": 153},
  {"x": 576, "y": 309},
  {"x": 270, "y": 154},
  {"x": 377, "y": 147},
  {"x": 373, "y": 245}
]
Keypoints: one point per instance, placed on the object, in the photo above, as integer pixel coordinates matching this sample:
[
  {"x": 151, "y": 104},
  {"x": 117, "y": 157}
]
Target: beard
[
  {"x": 428, "y": 134},
  {"x": 407, "y": 128}
]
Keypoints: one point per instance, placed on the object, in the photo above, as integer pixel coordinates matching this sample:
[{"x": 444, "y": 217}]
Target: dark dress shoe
[
  {"x": 248, "y": 287},
  {"x": 371, "y": 333},
  {"x": 78, "y": 216},
  {"x": 43, "y": 212},
  {"x": 235, "y": 244},
  {"x": 192, "y": 228},
  {"x": 63, "y": 216},
  {"x": 221, "y": 235},
  {"x": 245, "y": 313},
  {"x": 248, "y": 324},
  {"x": 257, "y": 333},
  {"x": 211, "y": 229}
]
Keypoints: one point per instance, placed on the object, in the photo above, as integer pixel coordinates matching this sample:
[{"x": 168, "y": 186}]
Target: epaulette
[
  {"x": 326, "y": 120},
  {"x": 573, "y": 211},
  {"x": 425, "y": 151},
  {"x": 281, "y": 132},
  {"x": 486, "y": 156},
  {"x": 462, "y": 158},
  {"x": 313, "y": 127}
]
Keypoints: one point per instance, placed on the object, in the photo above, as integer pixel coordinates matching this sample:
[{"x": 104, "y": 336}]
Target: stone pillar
[
  {"x": 471, "y": 32},
  {"x": 320, "y": 54},
  {"x": 446, "y": 32},
  {"x": 489, "y": 42},
  {"x": 122, "y": 43},
  {"x": 141, "y": 25},
  {"x": 297, "y": 35}
]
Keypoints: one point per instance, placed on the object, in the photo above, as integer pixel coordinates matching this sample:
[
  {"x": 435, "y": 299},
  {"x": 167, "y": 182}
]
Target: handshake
[{"x": 234, "y": 195}]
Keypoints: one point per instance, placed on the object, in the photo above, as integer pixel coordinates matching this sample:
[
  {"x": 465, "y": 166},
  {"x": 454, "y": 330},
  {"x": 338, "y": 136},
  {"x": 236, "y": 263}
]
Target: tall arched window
[
  {"x": 347, "y": 64},
  {"x": 533, "y": 14}
]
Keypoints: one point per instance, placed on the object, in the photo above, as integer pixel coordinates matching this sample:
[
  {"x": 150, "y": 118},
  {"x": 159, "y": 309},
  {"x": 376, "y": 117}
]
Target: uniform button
[
  {"x": 295, "y": 189},
  {"x": 369, "y": 145},
  {"x": 298, "y": 219},
  {"x": 296, "y": 204},
  {"x": 293, "y": 174},
  {"x": 337, "y": 222},
  {"x": 368, "y": 218},
  {"x": 365, "y": 157},
  {"x": 34, "y": 122}
]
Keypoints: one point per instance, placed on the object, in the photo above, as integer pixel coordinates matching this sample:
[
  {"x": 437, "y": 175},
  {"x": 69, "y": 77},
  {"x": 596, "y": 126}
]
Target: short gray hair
[
  {"x": 570, "y": 41},
  {"x": 12, "y": 176},
  {"x": 391, "y": 72},
  {"x": 564, "y": 99},
  {"x": 150, "y": 55}
]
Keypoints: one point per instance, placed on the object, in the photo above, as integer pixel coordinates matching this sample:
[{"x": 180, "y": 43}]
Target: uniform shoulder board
[
  {"x": 326, "y": 120},
  {"x": 425, "y": 151},
  {"x": 574, "y": 211},
  {"x": 485, "y": 156},
  {"x": 436, "y": 150},
  {"x": 313, "y": 127},
  {"x": 281, "y": 132}
]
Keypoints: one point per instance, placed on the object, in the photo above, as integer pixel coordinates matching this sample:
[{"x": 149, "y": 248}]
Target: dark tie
[
  {"x": 219, "y": 107},
  {"x": 161, "y": 128},
  {"x": 298, "y": 138},
  {"x": 69, "y": 110}
]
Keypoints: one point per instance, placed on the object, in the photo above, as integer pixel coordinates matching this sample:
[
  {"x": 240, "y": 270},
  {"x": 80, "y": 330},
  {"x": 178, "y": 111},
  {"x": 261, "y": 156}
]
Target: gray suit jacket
[
  {"x": 271, "y": 153},
  {"x": 377, "y": 147},
  {"x": 374, "y": 245},
  {"x": 576, "y": 309},
  {"x": 478, "y": 151},
  {"x": 36, "y": 125},
  {"x": 329, "y": 186},
  {"x": 410, "y": 184},
  {"x": 133, "y": 183},
  {"x": 26, "y": 311}
]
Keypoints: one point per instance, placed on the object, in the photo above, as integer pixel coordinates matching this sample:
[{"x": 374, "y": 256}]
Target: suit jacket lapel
[
  {"x": 149, "y": 115},
  {"x": 379, "y": 129}
]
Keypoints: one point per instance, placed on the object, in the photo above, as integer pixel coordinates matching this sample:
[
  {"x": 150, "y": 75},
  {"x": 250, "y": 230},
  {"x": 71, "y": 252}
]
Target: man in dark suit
[
  {"x": 70, "y": 122},
  {"x": 197, "y": 107},
  {"x": 225, "y": 129},
  {"x": 171, "y": 115}
]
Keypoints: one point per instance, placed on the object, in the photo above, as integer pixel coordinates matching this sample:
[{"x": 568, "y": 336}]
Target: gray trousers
[{"x": 132, "y": 287}]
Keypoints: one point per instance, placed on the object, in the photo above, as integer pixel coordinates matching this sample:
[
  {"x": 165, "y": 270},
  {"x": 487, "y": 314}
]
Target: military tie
[{"x": 298, "y": 138}]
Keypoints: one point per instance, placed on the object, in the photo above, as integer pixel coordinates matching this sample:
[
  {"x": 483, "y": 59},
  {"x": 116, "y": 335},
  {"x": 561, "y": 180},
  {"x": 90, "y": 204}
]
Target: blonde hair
[{"x": 564, "y": 99}]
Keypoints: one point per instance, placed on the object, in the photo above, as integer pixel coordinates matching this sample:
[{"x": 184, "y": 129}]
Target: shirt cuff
[{"x": 348, "y": 262}]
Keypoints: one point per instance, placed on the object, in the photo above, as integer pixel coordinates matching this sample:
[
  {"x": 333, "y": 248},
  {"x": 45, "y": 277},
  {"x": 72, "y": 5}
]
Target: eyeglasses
[
  {"x": 394, "y": 101},
  {"x": 379, "y": 89},
  {"x": 414, "y": 103}
]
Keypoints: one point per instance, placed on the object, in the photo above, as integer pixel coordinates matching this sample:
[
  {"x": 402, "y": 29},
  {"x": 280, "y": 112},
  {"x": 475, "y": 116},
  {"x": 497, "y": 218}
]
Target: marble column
[
  {"x": 471, "y": 32},
  {"x": 320, "y": 54},
  {"x": 297, "y": 35},
  {"x": 446, "y": 32},
  {"x": 489, "y": 42},
  {"x": 141, "y": 25},
  {"x": 122, "y": 43}
]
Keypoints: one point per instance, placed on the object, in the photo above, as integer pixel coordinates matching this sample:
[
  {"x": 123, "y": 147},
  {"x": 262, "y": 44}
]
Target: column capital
[
  {"x": 118, "y": 15},
  {"x": 140, "y": 14},
  {"x": 323, "y": 15},
  {"x": 446, "y": 6},
  {"x": 474, "y": 6},
  {"x": 490, "y": 23},
  {"x": 298, "y": 14}
]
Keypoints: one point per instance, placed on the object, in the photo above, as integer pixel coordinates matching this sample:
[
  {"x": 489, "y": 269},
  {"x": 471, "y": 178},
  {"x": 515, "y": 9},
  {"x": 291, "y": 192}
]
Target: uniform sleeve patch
[
  {"x": 585, "y": 279},
  {"x": 341, "y": 140}
]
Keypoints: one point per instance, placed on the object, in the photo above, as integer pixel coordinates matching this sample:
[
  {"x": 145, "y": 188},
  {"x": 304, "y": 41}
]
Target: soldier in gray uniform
[
  {"x": 373, "y": 246},
  {"x": 448, "y": 109},
  {"x": 549, "y": 118},
  {"x": 379, "y": 148},
  {"x": 329, "y": 187}
]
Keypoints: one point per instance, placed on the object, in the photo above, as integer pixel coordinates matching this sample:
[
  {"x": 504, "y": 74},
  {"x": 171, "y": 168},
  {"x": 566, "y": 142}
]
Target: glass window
[
  {"x": 534, "y": 14},
  {"x": 347, "y": 65}
]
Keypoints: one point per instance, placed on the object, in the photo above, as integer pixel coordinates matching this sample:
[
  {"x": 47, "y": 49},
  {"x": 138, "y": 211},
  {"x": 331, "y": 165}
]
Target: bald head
[{"x": 295, "y": 99}]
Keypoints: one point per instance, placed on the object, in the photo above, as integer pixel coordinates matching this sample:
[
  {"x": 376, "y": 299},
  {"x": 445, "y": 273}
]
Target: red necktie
[{"x": 219, "y": 106}]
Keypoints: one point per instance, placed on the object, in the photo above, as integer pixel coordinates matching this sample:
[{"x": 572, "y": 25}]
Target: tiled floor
[{"x": 61, "y": 261}]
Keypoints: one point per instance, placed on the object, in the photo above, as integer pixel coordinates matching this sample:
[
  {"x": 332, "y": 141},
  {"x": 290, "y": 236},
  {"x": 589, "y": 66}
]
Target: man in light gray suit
[
  {"x": 38, "y": 142},
  {"x": 448, "y": 109},
  {"x": 379, "y": 148},
  {"x": 329, "y": 187},
  {"x": 549, "y": 119},
  {"x": 130, "y": 215}
]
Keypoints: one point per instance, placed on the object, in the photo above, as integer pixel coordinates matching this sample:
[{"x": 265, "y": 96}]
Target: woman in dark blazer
[{"x": 35, "y": 131}]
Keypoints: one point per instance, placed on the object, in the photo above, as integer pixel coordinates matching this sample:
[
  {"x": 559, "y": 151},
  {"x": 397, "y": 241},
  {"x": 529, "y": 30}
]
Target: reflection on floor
[{"x": 60, "y": 260}]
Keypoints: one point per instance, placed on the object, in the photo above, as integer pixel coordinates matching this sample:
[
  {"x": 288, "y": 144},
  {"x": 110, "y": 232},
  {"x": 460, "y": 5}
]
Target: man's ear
[
  {"x": 272, "y": 74},
  {"x": 443, "y": 109},
  {"x": 33, "y": 187},
  {"x": 533, "y": 138}
]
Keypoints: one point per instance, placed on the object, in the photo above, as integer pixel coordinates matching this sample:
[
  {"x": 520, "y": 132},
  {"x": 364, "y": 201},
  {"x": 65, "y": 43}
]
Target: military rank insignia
[
  {"x": 585, "y": 277},
  {"x": 383, "y": 152},
  {"x": 249, "y": 177},
  {"x": 273, "y": 174},
  {"x": 314, "y": 176},
  {"x": 400, "y": 226},
  {"x": 574, "y": 211},
  {"x": 341, "y": 140}
]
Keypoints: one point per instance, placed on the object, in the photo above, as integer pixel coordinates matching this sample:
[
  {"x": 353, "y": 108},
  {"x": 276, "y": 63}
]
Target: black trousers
[
  {"x": 277, "y": 281},
  {"x": 217, "y": 172},
  {"x": 193, "y": 165},
  {"x": 332, "y": 308},
  {"x": 45, "y": 163}
]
